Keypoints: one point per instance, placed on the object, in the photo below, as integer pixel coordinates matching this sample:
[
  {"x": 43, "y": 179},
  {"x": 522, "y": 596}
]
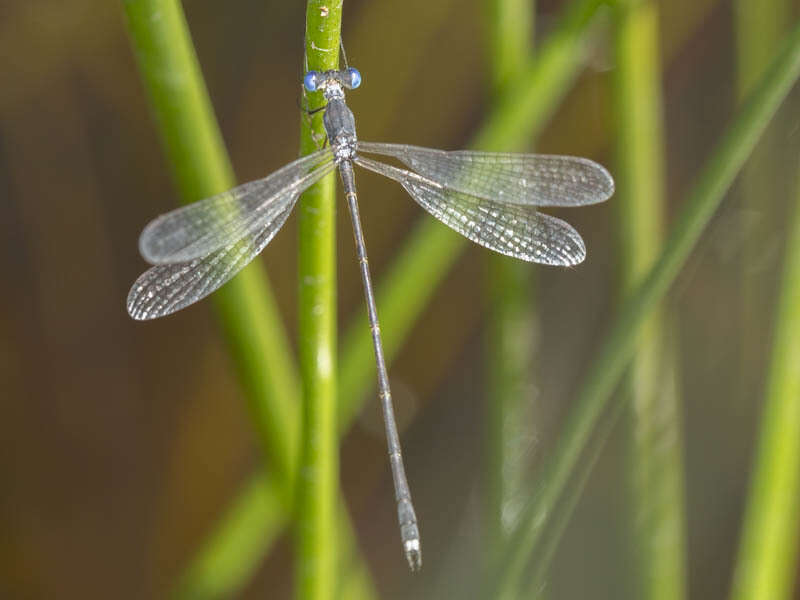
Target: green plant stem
[
  {"x": 766, "y": 567},
  {"x": 510, "y": 349},
  {"x": 319, "y": 468},
  {"x": 655, "y": 459},
  {"x": 639, "y": 198},
  {"x": 618, "y": 348},
  {"x": 431, "y": 250},
  {"x": 509, "y": 31},
  {"x": 759, "y": 27},
  {"x": 512, "y": 321}
]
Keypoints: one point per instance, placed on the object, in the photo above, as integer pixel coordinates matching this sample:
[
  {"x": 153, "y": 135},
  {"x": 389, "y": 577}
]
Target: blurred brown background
[{"x": 121, "y": 442}]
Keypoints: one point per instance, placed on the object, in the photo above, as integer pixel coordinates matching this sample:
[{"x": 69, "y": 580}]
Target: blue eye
[
  {"x": 355, "y": 77},
  {"x": 310, "y": 81}
]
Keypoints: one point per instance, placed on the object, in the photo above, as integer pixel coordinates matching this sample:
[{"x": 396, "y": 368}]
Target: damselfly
[{"x": 490, "y": 198}]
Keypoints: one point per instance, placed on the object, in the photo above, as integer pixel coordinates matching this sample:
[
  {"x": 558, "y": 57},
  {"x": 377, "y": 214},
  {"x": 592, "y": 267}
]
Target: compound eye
[
  {"x": 353, "y": 78},
  {"x": 311, "y": 81}
]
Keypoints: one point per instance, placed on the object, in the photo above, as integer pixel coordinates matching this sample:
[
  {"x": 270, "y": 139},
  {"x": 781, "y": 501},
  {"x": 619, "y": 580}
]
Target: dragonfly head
[{"x": 332, "y": 83}]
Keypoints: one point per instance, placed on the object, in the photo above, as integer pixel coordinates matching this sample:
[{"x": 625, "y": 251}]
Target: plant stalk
[
  {"x": 759, "y": 27},
  {"x": 655, "y": 460},
  {"x": 511, "y": 335},
  {"x": 319, "y": 464}
]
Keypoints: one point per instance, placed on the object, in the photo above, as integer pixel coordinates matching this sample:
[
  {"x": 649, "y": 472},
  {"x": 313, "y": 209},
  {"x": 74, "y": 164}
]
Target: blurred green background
[{"x": 123, "y": 443}]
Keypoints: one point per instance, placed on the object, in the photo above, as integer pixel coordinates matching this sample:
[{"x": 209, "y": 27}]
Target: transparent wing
[
  {"x": 526, "y": 179},
  {"x": 212, "y": 224},
  {"x": 164, "y": 289},
  {"x": 511, "y": 229}
]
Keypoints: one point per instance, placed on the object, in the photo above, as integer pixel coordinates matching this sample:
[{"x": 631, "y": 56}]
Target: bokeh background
[{"x": 122, "y": 443}]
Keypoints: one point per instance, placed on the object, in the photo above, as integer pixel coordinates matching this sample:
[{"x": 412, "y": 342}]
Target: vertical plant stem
[
  {"x": 319, "y": 467},
  {"x": 509, "y": 31},
  {"x": 759, "y": 27},
  {"x": 766, "y": 568},
  {"x": 655, "y": 457},
  {"x": 512, "y": 320},
  {"x": 510, "y": 394},
  {"x": 619, "y": 346}
]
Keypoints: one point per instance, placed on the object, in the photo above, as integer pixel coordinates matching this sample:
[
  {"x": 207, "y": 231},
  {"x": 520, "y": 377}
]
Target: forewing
[
  {"x": 514, "y": 230},
  {"x": 204, "y": 227},
  {"x": 165, "y": 289},
  {"x": 525, "y": 179}
]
